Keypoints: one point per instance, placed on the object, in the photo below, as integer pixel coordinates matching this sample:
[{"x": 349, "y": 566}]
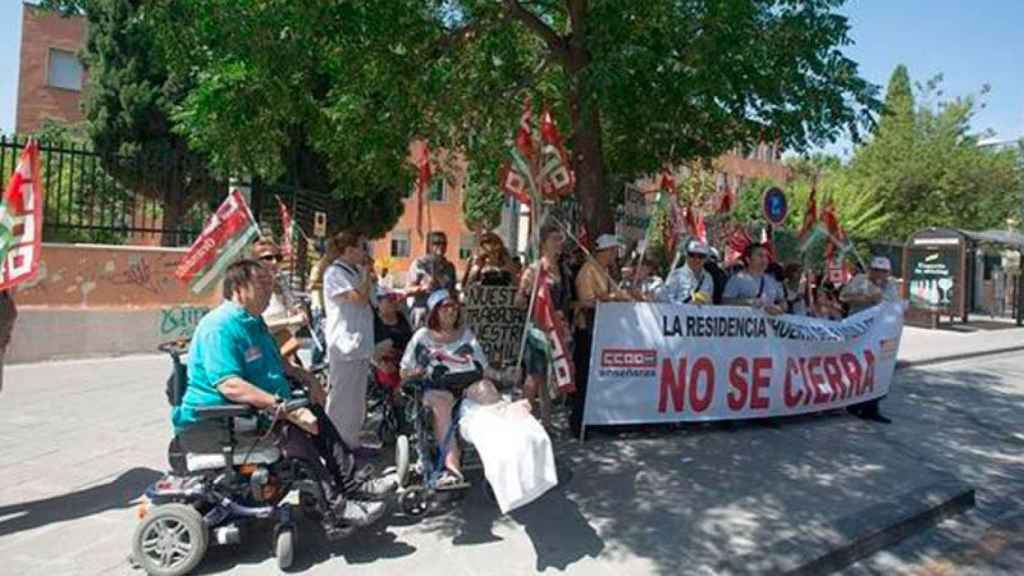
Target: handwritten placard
[
  {"x": 635, "y": 215},
  {"x": 497, "y": 322}
]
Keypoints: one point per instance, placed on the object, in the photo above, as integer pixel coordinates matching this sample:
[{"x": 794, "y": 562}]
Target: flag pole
[{"x": 586, "y": 252}]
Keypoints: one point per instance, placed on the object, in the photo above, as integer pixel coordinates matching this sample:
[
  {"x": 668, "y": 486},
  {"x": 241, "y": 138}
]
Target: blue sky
[{"x": 970, "y": 43}]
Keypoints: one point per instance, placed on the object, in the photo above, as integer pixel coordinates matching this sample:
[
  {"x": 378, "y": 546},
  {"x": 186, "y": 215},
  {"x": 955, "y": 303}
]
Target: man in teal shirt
[{"x": 233, "y": 359}]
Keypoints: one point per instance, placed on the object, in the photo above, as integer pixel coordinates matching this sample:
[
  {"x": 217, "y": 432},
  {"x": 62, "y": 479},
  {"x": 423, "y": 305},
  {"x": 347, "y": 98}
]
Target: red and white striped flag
[
  {"x": 547, "y": 319},
  {"x": 21, "y": 221},
  {"x": 556, "y": 172},
  {"x": 226, "y": 234}
]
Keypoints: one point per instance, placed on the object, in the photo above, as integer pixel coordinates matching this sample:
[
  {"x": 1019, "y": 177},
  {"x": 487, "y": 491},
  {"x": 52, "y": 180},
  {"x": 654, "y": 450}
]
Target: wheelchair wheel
[
  {"x": 284, "y": 547},
  {"x": 170, "y": 541},
  {"x": 413, "y": 502},
  {"x": 176, "y": 457},
  {"x": 402, "y": 460}
]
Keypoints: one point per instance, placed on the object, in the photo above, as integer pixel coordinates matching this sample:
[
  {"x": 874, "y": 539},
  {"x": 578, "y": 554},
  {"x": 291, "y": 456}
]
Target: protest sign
[
  {"x": 635, "y": 216},
  {"x": 697, "y": 363},
  {"x": 497, "y": 322}
]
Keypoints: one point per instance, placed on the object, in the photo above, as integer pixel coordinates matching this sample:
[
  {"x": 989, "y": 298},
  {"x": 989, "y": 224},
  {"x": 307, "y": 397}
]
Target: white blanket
[{"x": 515, "y": 450}]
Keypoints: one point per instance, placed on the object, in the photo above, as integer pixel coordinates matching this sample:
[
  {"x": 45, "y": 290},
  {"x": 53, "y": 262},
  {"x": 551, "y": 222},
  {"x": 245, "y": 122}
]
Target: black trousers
[
  {"x": 584, "y": 340},
  {"x": 869, "y": 408}
]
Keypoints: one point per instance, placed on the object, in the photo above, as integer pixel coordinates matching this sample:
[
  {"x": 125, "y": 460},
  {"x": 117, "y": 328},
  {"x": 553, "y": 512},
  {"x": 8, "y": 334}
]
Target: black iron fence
[
  {"x": 164, "y": 200},
  {"x": 89, "y": 197},
  {"x": 302, "y": 205}
]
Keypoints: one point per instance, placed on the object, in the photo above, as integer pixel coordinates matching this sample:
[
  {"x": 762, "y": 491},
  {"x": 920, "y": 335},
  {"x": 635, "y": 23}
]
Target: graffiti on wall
[
  {"x": 89, "y": 276},
  {"x": 180, "y": 321}
]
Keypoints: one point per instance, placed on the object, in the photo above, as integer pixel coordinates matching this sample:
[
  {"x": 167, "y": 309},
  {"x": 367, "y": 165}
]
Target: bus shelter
[{"x": 951, "y": 273}]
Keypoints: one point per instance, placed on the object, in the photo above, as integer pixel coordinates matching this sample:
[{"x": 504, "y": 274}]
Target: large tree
[
  {"x": 127, "y": 107},
  {"x": 634, "y": 84}
]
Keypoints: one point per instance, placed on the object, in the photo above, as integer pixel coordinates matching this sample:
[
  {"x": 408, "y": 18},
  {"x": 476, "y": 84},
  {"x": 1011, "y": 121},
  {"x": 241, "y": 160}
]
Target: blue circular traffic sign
[{"x": 774, "y": 205}]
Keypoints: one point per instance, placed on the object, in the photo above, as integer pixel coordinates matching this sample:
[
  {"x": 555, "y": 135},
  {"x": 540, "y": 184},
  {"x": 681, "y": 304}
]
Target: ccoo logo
[{"x": 628, "y": 358}]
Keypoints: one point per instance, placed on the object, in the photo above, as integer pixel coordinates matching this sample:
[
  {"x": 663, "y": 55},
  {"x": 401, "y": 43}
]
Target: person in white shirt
[
  {"x": 690, "y": 283},
  {"x": 874, "y": 287},
  {"x": 753, "y": 286},
  {"x": 348, "y": 287},
  {"x": 861, "y": 293}
]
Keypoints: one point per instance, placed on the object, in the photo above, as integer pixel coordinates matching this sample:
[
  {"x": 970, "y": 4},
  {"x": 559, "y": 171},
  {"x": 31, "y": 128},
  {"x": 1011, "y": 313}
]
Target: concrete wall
[{"x": 91, "y": 300}]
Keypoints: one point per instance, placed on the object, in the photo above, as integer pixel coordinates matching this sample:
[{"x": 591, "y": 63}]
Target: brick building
[{"x": 50, "y": 75}]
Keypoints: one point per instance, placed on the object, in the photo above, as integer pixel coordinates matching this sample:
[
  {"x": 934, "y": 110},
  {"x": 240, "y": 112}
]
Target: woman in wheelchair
[
  {"x": 233, "y": 359},
  {"x": 445, "y": 357}
]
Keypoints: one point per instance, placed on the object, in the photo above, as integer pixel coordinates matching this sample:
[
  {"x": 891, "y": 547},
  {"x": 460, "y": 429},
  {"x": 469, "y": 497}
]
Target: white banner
[{"x": 669, "y": 363}]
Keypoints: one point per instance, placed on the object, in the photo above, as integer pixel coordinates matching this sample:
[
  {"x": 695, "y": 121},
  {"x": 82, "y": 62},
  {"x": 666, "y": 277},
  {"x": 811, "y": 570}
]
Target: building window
[
  {"x": 65, "y": 71},
  {"x": 466, "y": 244},
  {"x": 400, "y": 246},
  {"x": 438, "y": 191}
]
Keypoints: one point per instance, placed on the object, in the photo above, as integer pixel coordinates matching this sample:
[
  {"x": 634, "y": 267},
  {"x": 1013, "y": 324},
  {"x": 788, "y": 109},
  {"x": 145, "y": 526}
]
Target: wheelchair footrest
[{"x": 453, "y": 487}]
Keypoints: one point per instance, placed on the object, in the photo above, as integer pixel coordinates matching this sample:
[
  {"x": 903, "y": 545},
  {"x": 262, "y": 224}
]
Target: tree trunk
[
  {"x": 588, "y": 163},
  {"x": 588, "y": 153}
]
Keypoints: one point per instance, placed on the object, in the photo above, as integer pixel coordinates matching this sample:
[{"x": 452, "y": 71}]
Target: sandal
[{"x": 450, "y": 479}]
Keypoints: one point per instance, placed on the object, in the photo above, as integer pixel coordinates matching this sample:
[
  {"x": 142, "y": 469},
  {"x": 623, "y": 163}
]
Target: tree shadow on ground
[
  {"x": 118, "y": 493},
  {"x": 690, "y": 499},
  {"x": 372, "y": 544}
]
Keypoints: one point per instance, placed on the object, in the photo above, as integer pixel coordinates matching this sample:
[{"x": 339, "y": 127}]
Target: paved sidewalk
[
  {"x": 80, "y": 440},
  {"x": 924, "y": 346}
]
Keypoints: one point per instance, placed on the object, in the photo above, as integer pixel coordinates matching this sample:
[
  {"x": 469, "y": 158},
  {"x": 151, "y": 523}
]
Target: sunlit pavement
[{"x": 80, "y": 440}]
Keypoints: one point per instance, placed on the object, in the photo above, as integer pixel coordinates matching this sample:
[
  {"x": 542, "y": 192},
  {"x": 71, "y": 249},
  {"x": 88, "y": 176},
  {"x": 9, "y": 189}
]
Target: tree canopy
[
  {"x": 128, "y": 104},
  {"x": 633, "y": 84},
  {"x": 924, "y": 164}
]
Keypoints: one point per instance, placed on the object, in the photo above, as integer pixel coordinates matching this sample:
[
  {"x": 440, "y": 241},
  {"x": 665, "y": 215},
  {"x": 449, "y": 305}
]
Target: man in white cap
[
  {"x": 864, "y": 291},
  {"x": 690, "y": 283},
  {"x": 874, "y": 287}
]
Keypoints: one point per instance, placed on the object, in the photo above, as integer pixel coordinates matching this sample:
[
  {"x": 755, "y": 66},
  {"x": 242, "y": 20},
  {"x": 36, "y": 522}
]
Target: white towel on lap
[{"x": 514, "y": 448}]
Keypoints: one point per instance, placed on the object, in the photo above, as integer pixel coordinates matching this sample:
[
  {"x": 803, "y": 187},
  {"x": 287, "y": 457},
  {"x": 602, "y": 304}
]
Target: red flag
[
  {"x": 21, "y": 221},
  {"x": 702, "y": 230},
  {"x": 226, "y": 234},
  {"x": 548, "y": 320},
  {"x": 557, "y": 173},
  {"x": 736, "y": 244},
  {"x": 667, "y": 182},
  {"x": 837, "y": 237},
  {"x": 728, "y": 200},
  {"x": 691, "y": 222},
  {"x": 811, "y": 213},
  {"x": 422, "y": 182},
  {"x": 286, "y": 228},
  {"x": 524, "y": 136},
  {"x": 512, "y": 183}
]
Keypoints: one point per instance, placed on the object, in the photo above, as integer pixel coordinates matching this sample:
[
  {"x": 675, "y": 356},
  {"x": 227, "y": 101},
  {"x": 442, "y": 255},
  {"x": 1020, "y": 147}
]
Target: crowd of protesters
[{"x": 367, "y": 326}]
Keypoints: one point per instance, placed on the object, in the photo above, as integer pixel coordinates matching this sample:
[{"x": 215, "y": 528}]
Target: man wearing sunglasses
[
  {"x": 284, "y": 315},
  {"x": 428, "y": 274},
  {"x": 690, "y": 283}
]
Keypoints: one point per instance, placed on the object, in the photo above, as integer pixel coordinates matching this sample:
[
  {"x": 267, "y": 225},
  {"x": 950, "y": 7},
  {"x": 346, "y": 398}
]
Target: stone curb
[
  {"x": 860, "y": 535},
  {"x": 904, "y": 364}
]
